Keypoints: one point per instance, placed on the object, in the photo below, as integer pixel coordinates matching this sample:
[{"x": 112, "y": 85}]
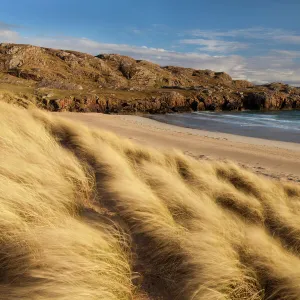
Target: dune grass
[{"x": 85, "y": 214}]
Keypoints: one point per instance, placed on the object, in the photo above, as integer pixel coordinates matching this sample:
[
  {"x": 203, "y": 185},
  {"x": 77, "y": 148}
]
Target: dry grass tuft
[{"x": 87, "y": 215}]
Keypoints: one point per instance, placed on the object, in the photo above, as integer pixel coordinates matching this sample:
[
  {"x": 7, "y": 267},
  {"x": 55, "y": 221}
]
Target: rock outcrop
[{"x": 120, "y": 84}]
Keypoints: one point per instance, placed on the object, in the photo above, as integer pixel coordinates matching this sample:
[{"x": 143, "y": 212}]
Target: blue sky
[{"x": 254, "y": 40}]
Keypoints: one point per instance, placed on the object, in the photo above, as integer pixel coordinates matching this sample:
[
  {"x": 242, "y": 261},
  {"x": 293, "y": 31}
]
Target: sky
[{"x": 253, "y": 40}]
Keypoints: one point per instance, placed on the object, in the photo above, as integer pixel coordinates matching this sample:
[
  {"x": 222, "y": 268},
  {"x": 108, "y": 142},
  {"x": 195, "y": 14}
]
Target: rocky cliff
[{"x": 73, "y": 81}]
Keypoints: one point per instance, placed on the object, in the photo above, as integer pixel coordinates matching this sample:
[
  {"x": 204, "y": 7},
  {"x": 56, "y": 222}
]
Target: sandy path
[{"x": 272, "y": 158}]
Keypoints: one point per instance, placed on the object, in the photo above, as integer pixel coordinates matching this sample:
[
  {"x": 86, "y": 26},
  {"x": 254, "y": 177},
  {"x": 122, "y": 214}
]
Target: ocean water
[{"x": 275, "y": 125}]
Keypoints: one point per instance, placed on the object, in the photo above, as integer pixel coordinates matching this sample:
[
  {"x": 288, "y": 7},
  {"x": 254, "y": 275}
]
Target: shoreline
[
  {"x": 280, "y": 160},
  {"x": 230, "y": 136},
  {"x": 260, "y": 125}
]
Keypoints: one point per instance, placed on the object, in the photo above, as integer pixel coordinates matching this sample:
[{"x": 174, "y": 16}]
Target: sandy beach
[{"x": 275, "y": 159}]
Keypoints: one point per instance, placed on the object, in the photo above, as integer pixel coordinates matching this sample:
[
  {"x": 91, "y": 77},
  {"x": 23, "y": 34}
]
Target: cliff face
[{"x": 74, "y": 81}]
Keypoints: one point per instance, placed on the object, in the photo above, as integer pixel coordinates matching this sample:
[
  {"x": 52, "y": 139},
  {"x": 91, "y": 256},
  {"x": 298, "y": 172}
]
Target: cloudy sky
[{"x": 254, "y": 40}]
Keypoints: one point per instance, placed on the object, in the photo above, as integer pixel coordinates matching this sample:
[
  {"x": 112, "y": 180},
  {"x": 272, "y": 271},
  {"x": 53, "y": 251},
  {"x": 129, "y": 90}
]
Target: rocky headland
[{"x": 61, "y": 80}]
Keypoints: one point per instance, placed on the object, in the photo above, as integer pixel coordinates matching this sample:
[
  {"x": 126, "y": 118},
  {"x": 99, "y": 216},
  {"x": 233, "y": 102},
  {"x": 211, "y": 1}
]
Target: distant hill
[{"x": 68, "y": 80}]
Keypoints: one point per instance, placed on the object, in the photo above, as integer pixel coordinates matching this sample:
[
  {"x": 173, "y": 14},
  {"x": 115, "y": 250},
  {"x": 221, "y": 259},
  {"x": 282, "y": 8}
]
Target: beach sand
[{"x": 280, "y": 160}]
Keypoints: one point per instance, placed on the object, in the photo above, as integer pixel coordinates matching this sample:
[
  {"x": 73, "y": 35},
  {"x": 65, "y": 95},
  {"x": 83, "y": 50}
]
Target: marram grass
[{"x": 85, "y": 214}]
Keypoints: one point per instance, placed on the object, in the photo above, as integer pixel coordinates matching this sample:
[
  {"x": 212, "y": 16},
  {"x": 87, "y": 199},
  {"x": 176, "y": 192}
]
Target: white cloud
[
  {"x": 8, "y": 35},
  {"x": 274, "y": 34},
  {"x": 288, "y": 53},
  {"x": 276, "y": 66},
  {"x": 253, "y": 32},
  {"x": 215, "y": 45},
  {"x": 291, "y": 39}
]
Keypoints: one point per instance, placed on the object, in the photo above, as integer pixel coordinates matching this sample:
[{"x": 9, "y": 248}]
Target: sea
[{"x": 273, "y": 125}]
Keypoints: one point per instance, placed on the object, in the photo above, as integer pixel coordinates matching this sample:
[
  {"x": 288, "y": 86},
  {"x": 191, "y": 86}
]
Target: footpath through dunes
[{"x": 85, "y": 214}]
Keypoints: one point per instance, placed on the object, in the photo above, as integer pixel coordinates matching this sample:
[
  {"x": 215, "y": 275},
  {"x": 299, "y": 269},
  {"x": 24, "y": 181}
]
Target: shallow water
[{"x": 275, "y": 125}]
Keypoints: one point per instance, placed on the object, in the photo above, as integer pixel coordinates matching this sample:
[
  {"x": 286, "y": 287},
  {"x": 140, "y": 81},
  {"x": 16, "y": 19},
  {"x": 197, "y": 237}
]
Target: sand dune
[
  {"x": 274, "y": 159},
  {"x": 88, "y": 215}
]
